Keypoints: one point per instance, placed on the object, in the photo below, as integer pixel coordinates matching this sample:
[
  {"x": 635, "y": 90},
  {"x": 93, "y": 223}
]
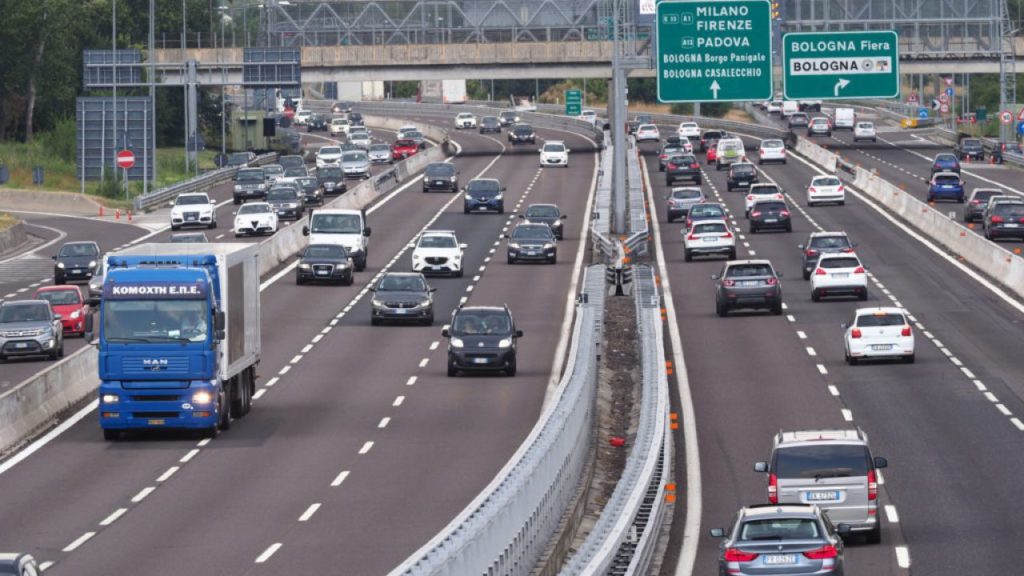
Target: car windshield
[
  {"x": 712, "y": 135},
  {"x": 1009, "y": 211},
  {"x": 819, "y": 121},
  {"x": 508, "y": 115},
  {"x": 191, "y": 200},
  {"x": 334, "y": 251},
  {"x": 489, "y": 120},
  {"x": 329, "y": 172},
  {"x": 259, "y": 208},
  {"x": 844, "y": 262},
  {"x": 337, "y": 223},
  {"x": 684, "y": 125},
  {"x": 706, "y": 211},
  {"x": 531, "y": 233},
  {"x": 947, "y": 179},
  {"x": 771, "y": 189},
  {"x": 440, "y": 170},
  {"x": 154, "y": 320},
  {"x": 772, "y": 144},
  {"x": 437, "y": 241},
  {"x": 281, "y": 194},
  {"x": 25, "y": 313},
  {"x": 71, "y": 250},
  {"x": 239, "y": 158},
  {"x": 401, "y": 283},
  {"x": 709, "y": 228},
  {"x": 483, "y": 187},
  {"x": 821, "y": 461},
  {"x": 353, "y": 157},
  {"x": 255, "y": 175},
  {"x": 554, "y": 148},
  {"x": 826, "y": 181},
  {"x": 866, "y": 125},
  {"x": 481, "y": 322},
  {"x": 542, "y": 212},
  {"x": 749, "y": 270},
  {"x": 414, "y": 134},
  {"x": 379, "y": 148},
  {"x": 294, "y": 172},
  {"x": 273, "y": 170},
  {"x": 780, "y": 529},
  {"x": 330, "y": 151},
  {"x": 881, "y": 319},
  {"x": 523, "y": 129},
  {"x": 686, "y": 193},
  {"x": 830, "y": 242},
  {"x": 465, "y": 115},
  {"x": 61, "y": 297},
  {"x": 742, "y": 169}
]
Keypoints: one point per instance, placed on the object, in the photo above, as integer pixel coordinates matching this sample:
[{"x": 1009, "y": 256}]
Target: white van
[
  {"x": 789, "y": 107},
  {"x": 341, "y": 226},
  {"x": 846, "y": 119}
]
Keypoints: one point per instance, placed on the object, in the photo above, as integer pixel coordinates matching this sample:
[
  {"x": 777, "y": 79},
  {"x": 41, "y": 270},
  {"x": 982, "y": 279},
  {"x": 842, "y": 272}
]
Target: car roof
[
  {"x": 403, "y": 274},
  {"x": 791, "y": 437},
  {"x": 824, "y": 234},
  {"x": 482, "y": 308},
  {"x": 438, "y": 233},
  {"x": 742, "y": 262},
  {"x": 58, "y": 288},
  {"x": 25, "y": 303},
  {"x": 562, "y": 142},
  {"x": 767, "y": 510},
  {"x": 879, "y": 310},
  {"x": 484, "y": 180},
  {"x": 539, "y": 205}
]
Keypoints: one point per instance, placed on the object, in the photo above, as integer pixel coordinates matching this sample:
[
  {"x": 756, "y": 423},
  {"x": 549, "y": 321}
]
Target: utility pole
[
  {"x": 618, "y": 121},
  {"x": 148, "y": 163}
]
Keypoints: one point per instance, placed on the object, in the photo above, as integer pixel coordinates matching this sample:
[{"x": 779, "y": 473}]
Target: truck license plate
[{"x": 156, "y": 422}]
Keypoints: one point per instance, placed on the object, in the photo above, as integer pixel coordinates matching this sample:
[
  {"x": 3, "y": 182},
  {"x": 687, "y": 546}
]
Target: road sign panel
[
  {"x": 1020, "y": 115},
  {"x": 943, "y": 98},
  {"x": 922, "y": 112},
  {"x": 125, "y": 159},
  {"x": 944, "y": 108},
  {"x": 573, "y": 102},
  {"x": 950, "y": 92},
  {"x": 714, "y": 50},
  {"x": 836, "y": 65},
  {"x": 948, "y": 79},
  {"x": 1006, "y": 116}
]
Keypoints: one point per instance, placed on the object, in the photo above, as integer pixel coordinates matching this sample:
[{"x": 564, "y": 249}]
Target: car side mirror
[
  {"x": 54, "y": 257},
  {"x": 219, "y": 320},
  {"x": 213, "y": 201},
  {"x": 506, "y": 236},
  {"x": 881, "y": 462},
  {"x": 714, "y": 276},
  {"x": 563, "y": 217},
  {"x": 844, "y": 530},
  {"x": 446, "y": 333},
  {"x": 504, "y": 188},
  {"x": 844, "y": 325},
  {"x": 367, "y": 231},
  {"x": 801, "y": 246},
  {"x": 58, "y": 317},
  {"x": 521, "y": 217},
  {"x": 431, "y": 289},
  {"x": 463, "y": 246},
  {"x": 540, "y": 151},
  {"x": 171, "y": 203},
  {"x": 761, "y": 467},
  {"x": 717, "y": 532},
  {"x": 88, "y": 328},
  {"x": 372, "y": 289},
  {"x": 567, "y": 150},
  {"x": 519, "y": 333}
]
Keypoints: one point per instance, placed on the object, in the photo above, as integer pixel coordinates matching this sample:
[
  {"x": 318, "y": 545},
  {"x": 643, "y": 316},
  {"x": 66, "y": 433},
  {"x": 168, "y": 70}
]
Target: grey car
[
  {"x": 819, "y": 243},
  {"x": 750, "y": 284},
  {"x": 680, "y": 199},
  {"x": 781, "y": 541},
  {"x": 76, "y": 261},
  {"x": 287, "y": 201},
  {"x": 832, "y": 469},
  {"x": 532, "y": 243},
  {"x": 30, "y": 328},
  {"x": 355, "y": 164},
  {"x": 976, "y": 204},
  {"x": 380, "y": 154},
  {"x": 545, "y": 214},
  {"x": 402, "y": 296}
]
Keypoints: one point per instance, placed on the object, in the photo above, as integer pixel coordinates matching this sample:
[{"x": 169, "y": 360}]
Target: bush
[{"x": 61, "y": 141}]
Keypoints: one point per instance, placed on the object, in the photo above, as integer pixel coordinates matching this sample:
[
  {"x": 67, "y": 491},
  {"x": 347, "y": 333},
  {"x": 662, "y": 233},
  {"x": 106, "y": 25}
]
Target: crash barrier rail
[
  {"x": 1013, "y": 154},
  {"x": 624, "y": 539},
  {"x": 636, "y": 243},
  {"x": 601, "y": 219},
  {"x": 34, "y": 402},
  {"x": 507, "y": 527},
  {"x": 201, "y": 183},
  {"x": 990, "y": 258}
]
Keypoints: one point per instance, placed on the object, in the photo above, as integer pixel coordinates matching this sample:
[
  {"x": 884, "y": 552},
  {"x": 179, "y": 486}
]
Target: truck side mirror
[
  {"x": 305, "y": 230},
  {"x": 218, "y": 321},
  {"x": 88, "y": 328},
  {"x": 366, "y": 231}
]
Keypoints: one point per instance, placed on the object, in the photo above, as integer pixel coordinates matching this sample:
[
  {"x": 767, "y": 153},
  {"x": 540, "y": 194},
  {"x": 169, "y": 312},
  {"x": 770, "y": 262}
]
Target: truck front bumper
[{"x": 194, "y": 406}]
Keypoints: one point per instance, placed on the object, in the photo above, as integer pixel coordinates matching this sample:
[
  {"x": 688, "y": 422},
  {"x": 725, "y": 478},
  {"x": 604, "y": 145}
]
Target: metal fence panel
[{"x": 102, "y": 131}]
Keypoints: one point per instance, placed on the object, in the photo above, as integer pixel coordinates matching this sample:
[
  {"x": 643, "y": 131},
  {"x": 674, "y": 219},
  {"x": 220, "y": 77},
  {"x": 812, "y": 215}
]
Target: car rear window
[
  {"x": 839, "y": 263},
  {"x": 440, "y": 169},
  {"x": 880, "y": 319},
  {"x": 749, "y": 270},
  {"x": 712, "y": 134},
  {"x": 780, "y": 529},
  {"x": 770, "y": 206},
  {"x": 947, "y": 180},
  {"x": 971, "y": 143},
  {"x": 821, "y": 461},
  {"x": 742, "y": 169},
  {"x": 764, "y": 190},
  {"x": 687, "y": 194},
  {"x": 984, "y": 195},
  {"x": 706, "y": 211},
  {"x": 683, "y": 160},
  {"x": 945, "y": 158},
  {"x": 1012, "y": 211},
  {"x": 709, "y": 228},
  {"x": 830, "y": 242},
  {"x": 827, "y": 181},
  {"x": 772, "y": 144}
]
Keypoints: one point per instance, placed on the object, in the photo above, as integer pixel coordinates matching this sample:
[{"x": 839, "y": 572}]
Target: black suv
[
  {"x": 482, "y": 338},
  {"x": 441, "y": 176},
  {"x": 324, "y": 263},
  {"x": 355, "y": 118},
  {"x": 522, "y": 133},
  {"x": 819, "y": 243},
  {"x": 316, "y": 123},
  {"x": 532, "y": 243},
  {"x": 490, "y": 124},
  {"x": 741, "y": 175},
  {"x": 76, "y": 261},
  {"x": 682, "y": 167},
  {"x": 709, "y": 138},
  {"x": 403, "y": 297},
  {"x": 770, "y": 214},
  {"x": 1005, "y": 220},
  {"x": 970, "y": 148},
  {"x": 332, "y": 180}
]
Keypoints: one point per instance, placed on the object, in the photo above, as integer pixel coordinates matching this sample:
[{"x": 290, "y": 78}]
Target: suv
[
  {"x": 833, "y": 469},
  {"x": 748, "y": 284},
  {"x": 819, "y": 243},
  {"x": 482, "y": 338},
  {"x": 441, "y": 176},
  {"x": 438, "y": 252},
  {"x": 402, "y": 296},
  {"x": 741, "y": 175},
  {"x": 250, "y": 184},
  {"x": 819, "y": 126},
  {"x": 946, "y": 185},
  {"x": 682, "y": 167},
  {"x": 522, "y": 133},
  {"x": 484, "y": 194},
  {"x": 76, "y": 261},
  {"x": 1005, "y": 219},
  {"x": 508, "y": 118},
  {"x": 30, "y": 328},
  {"x": 680, "y": 199},
  {"x": 770, "y": 214},
  {"x": 975, "y": 209},
  {"x": 772, "y": 539},
  {"x": 970, "y": 148},
  {"x": 193, "y": 209}
]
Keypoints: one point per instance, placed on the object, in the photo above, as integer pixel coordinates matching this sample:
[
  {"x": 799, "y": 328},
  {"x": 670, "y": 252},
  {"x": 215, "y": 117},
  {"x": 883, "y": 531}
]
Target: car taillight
[
  {"x": 997, "y": 219},
  {"x": 905, "y": 331},
  {"x": 859, "y": 270},
  {"x": 695, "y": 165},
  {"x": 727, "y": 235},
  {"x": 820, "y": 272},
  {"x": 823, "y": 553},
  {"x": 771, "y": 281},
  {"x": 689, "y": 223},
  {"x": 811, "y": 252},
  {"x": 773, "y": 489},
  {"x": 779, "y": 197},
  {"x": 729, "y": 283},
  {"x": 872, "y": 485},
  {"x": 855, "y": 333},
  {"x": 691, "y": 236},
  {"x": 755, "y": 214},
  {"x": 750, "y": 198},
  {"x": 975, "y": 202},
  {"x": 840, "y": 189},
  {"x": 663, "y": 156},
  {"x": 784, "y": 213},
  {"x": 812, "y": 190},
  {"x": 737, "y": 555},
  {"x": 847, "y": 250},
  {"x": 671, "y": 166}
]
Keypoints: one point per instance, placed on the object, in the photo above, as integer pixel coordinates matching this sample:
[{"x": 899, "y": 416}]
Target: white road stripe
[
  {"x": 270, "y": 383},
  {"x": 81, "y": 540},
  {"x": 259, "y": 394},
  {"x": 902, "y": 557},
  {"x": 398, "y": 401},
  {"x": 296, "y": 359},
  {"x": 1016, "y": 422},
  {"x": 309, "y": 512},
  {"x": 967, "y": 372},
  {"x": 284, "y": 370},
  {"x": 801, "y": 334},
  {"x": 340, "y": 478},
  {"x": 822, "y": 369},
  {"x": 811, "y": 352},
  {"x": 142, "y": 494},
  {"x": 318, "y": 338},
  {"x": 833, "y": 390},
  {"x": 113, "y": 517},
  {"x": 434, "y": 345},
  {"x": 202, "y": 443},
  {"x": 366, "y": 447},
  {"x": 423, "y": 362},
  {"x": 847, "y": 415},
  {"x": 191, "y": 454},
  {"x": 384, "y": 422},
  {"x": 410, "y": 381},
  {"x": 790, "y": 318},
  {"x": 1004, "y": 410},
  {"x": 307, "y": 348},
  {"x": 991, "y": 397},
  {"x": 170, "y": 472},
  {"x": 980, "y": 385},
  {"x": 268, "y": 553},
  {"x": 891, "y": 515}
]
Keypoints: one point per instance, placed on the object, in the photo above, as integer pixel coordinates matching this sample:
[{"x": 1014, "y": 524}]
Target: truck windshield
[
  {"x": 337, "y": 224},
  {"x": 154, "y": 320}
]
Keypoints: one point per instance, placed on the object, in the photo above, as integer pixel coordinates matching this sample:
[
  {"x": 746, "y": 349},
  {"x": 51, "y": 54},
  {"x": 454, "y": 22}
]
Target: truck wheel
[
  {"x": 240, "y": 400},
  {"x": 223, "y": 408}
]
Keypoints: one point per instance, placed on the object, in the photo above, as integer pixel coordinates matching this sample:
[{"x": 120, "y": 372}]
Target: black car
[
  {"x": 441, "y": 176},
  {"x": 355, "y": 119},
  {"x": 249, "y": 184},
  {"x": 508, "y": 118},
  {"x": 637, "y": 120},
  {"x": 295, "y": 172},
  {"x": 402, "y": 296},
  {"x": 741, "y": 175},
  {"x": 287, "y": 201},
  {"x": 1005, "y": 220},
  {"x": 490, "y": 124},
  {"x": 709, "y": 138},
  {"x": 240, "y": 159},
  {"x": 324, "y": 263},
  {"x": 341, "y": 108},
  {"x": 484, "y": 194},
  {"x": 332, "y": 180},
  {"x": 521, "y": 133},
  {"x": 311, "y": 193},
  {"x": 545, "y": 214},
  {"x": 76, "y": 261},
  {"x": 798, "y": 120},
  {"x": 770, "y": 215},
  {"x": 292, "y": 161},
  {"x": 682, "y": 167},
  {"x": 482, "y": 338},
  {"x": 316, "y": 123},
  {"x": 819, "y": 243},
  {"x": 532, "y": 243},
  {"x": 970, "y": 148},
  {"x": 750, "y": 284}
]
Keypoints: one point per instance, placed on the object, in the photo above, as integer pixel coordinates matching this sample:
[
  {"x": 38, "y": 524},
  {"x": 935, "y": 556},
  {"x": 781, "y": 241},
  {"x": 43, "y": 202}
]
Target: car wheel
[
  {"x": 909, "y": 359},
  {"x": 175, "y": 228},
  {"x": 960, "y": 200},
  {"x": 668, "y": 181},
  {"x": 850, "y": 359},
  {"x": 863, "y": 295},
  {"x": 465, "y": 210},
  {"x": 688, "y": 256},
  {"x": 670, "y": 218},
  {"x": 429, "y": 320},
  {"x": 732, "y": 255},
  {"x": 459, "y": 274},
  {"x": 661, "y": 168},
  {"x": 236, "y": 200},
  {"x": 374, "y": 321},
  {"x": 718, "y": 167},
  {"x": 511, "y": 369},
  {"x": 815, "y": 295},
  {"x": 875, "y": 535},
  {"x": 721, "y": 309},
  {"x": 930, "y": 198},
  {"x": 213, "y": 225},
  {"x": 452, "y": 370},
  {"x": 511, "y": 260},
  {"x": 842, "y": 202},
  {"x": 783, "y": 161},
  {"x": 753, "y": 229},
  {"x": 60, "y": 350},
  {"x": 810, "y": 204},
  {"x": 789, "y": 228},
  {"x": 501, "y": 210}
]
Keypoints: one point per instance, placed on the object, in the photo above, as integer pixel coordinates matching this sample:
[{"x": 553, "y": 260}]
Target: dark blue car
[
  {"x": 946, "y": 186},
  {"x": 945, "y": 163},
  {"x": 484, "y": 195}
]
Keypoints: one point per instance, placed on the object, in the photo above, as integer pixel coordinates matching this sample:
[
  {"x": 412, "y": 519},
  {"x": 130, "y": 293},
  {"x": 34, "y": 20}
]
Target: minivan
[{"x": 789, "y": 107}]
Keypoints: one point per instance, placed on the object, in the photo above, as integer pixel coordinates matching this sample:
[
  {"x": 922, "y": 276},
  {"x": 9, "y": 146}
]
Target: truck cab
[{"x": 341, "y": 226}]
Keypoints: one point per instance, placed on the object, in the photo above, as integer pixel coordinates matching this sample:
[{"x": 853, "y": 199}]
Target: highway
[
  {"x": 353, "y": 426},
  {"x": 945, "y": 423}
]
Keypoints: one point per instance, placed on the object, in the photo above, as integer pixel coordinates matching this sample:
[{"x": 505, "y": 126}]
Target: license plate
[
  {"x": 435, "y": 267},
  {"x": 750, "y": 283},
  {"x": 530, "y": 252},
  {"x": 770, "y": 220},
  {"x": 881, "y": 347},
  {"x": 77, "y": 271},
  {"x": 779, "y": 559},
  {"x": 438, "y": 183},
  {"x": 1011, "y": 225},
  {"x": 155, "y": 422},
  {"x": 840, "y": 275},
  {"x": 743, "y": 183},
  {"x": 824, "y": 496},
  {"x": 480, "y": 360},
  {"x": 282, "y": 212},
  {"x": 321, "y": 272},
  {"x": 191, "y": 219},
  {"x": 21, "y": 345},
  {"x": 482, "y": 208},
  {"x": 401, "y": 311}
]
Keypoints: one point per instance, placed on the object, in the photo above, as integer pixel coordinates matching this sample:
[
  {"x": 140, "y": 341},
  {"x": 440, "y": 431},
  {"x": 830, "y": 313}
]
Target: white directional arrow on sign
[
  {"x": 843, "y": 83},
  {"x": 715, "y": 88}
]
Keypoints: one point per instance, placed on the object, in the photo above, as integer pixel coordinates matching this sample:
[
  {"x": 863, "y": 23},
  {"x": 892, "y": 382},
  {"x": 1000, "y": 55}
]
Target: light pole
[{"x": 223, "y": 119}]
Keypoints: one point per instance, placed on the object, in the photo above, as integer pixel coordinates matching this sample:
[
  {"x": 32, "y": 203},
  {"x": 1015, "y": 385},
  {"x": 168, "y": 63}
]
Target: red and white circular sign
[
  {"x": 944, "y": 108},
  {"x": 1006, "y": 117},
  {"x": 125, "y": 159}
]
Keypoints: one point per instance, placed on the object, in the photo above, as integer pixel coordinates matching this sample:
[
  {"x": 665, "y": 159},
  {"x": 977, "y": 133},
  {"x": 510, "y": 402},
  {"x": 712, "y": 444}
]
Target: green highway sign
[
  {"x": 714, "y": 50},
  {"x": 834, "y": 65},
  {"x": 573, "y": 102}
]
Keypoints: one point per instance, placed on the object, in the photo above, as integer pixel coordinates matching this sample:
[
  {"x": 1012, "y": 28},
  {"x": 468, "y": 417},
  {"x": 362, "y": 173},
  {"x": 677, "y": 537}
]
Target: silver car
[
  {"x": 380, "y": 154},
  {"x": 30, "y": 328},
  {"x": 832, "y": 469},
  {"x": 780, "y": 541},
  {"x": 355, "y": 164},
  {"x": 681, "y": 198},
  {"x": 360, "y": 139}
]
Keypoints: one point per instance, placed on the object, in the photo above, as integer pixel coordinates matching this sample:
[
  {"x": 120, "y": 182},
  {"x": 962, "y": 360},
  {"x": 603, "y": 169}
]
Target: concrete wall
[
  {"x": 48, "y": 201},
  {"x": 13, "y": 238}
]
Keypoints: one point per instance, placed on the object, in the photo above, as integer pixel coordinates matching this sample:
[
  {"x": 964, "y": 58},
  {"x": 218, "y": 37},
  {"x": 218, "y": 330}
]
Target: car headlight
[
  {"x": 499, "y": 197},
  {"x": 76, "y": 314},
  {"x": 202, "y": 397},
  {"x": 468, "y": 197},
  {"x": 343, "y": 265},
  {"x": 417, "y": 257},
  {"x": 513, "y": 245},
  {"x": 505, "y": 343},
  {"x": 377, "y": 303},
  {"x": 304, "y": 266},
  {"x": 110, "y": 398},
  {"x": 456, "y": 342},
  {"x": 424, "y": 302},
  {"x": 556, "y": 224},
  {"x": 425, "y": 179},
  {"x": 451, "y": 178},
  {"x": 60, "y": 265},
  {"x": 549, "y": 245}
]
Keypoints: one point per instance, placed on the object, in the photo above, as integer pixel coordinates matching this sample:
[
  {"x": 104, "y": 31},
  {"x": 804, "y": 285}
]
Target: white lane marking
[
  {"x": 366, "y": 447},
  {"x": 801, "y": 334},
  {"x": 309, "y": 512},
  {"x": 476, "y": 278},
  {"x": 307, "y": 348},
  {"x": 423, "y": 362},
  {"x": 384, "y": 422},
  {"x": 339, "y": 478},
  {"x": 822, "y": 369},
  {"x": 434, "y": 345},
  {"x": 991, "y": 397},
  {"x": 1004, "y": 410},
  {"x": 284, "y": 370},
  {"x": 259, "y": 394},
  {"x": 142, "y": 494},
  {"x": 811, "y": 352},
  {"x": 203, "y": 442},
  {"x": 47, "y": 438},
  {"x": 218, "y": 237},
  {"x": 1016, "y": 422},
  {"x": 469, "y": 288},
  {"x": 268, "y": 553},
  {"x": 980, "y": 385},
  {"x": 956, "y": 361},
  {"x": 325, "y": 331},
  {"x": 463, "y": 300},
  {"x": 296, "y": 359},
  {"x": 318, "y": 338},
  {"x": 902, "y": 557},
  {"x": 833, "y": 390},
  {"x": 113, "y": 517},
  {"x": 270, "y": 383},
  {"x": 191, "y": 454},
  {"x": 78, "y": 542},
  {"x": 881, "y": 478},
  {"x": 790, "y": 318},
  {"x": 847, "y": 415},
  {"x": 967, "y": 372},
  {"x": 398, "y": 401},
  {"x": 410, "y": 381},
  {"x": 170, "y": 472},
  {"x": 45, "y": 565},
  {"x": 891, "y": 515}
]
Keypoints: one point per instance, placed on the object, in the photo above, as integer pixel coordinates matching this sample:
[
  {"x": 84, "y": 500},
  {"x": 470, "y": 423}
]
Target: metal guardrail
[
  {"x": 638, "y": 232},
  {"x": 623, "y": 540},
  {"x": 601, "y": 219},
  {"x": 507, "y": 527},
  {"x": 195, "y": 184}
]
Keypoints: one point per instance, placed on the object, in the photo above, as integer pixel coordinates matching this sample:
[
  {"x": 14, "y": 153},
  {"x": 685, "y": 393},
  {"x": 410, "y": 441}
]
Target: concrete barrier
[
  {"x": 13, "y": 237},
  {"x": 48, "y": 201}
]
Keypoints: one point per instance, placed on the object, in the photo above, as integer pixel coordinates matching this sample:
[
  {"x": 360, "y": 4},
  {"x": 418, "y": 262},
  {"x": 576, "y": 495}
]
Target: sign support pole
[{"x": 618, "y": 121}]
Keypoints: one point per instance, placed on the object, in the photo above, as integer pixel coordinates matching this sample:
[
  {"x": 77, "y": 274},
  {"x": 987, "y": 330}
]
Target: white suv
[
  {"x": 879, "y": 333},
  {"x": 689, "y": 130},
  {"x": 709, "y": 237},
  {"x": 193, "y": 209},
  {"x": 554, "y": 153},
  {"x": 438, "y": 252},
  {"x": 839, "y": 274},
  {"x": 864, "y": 131},
  {"x": 339, "y": 126},
  {"x": 465, "y": 120},
  {"x": 328, "y": 156}
]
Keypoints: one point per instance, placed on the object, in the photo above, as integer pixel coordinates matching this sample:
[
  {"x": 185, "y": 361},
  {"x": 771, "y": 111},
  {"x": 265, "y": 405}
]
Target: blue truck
[{"x": 179, "y": 337}]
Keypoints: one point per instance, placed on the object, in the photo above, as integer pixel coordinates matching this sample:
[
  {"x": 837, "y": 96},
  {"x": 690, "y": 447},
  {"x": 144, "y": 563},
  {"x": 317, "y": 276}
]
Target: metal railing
[
  {"x": 507, "y": 527},
  {"x": 601, "y": 219},
  {"x": 638, "y": 233},
  {"x": 195, "y": 184},
  {"x": 623, "y": 540}
]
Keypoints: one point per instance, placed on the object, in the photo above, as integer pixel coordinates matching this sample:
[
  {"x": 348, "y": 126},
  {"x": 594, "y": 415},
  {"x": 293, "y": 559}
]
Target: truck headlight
[
  {"x": 505, "y": 343},
  {"x": 202, "y": 397},
  {"x": 110, "y": 399},
  {"x": 456, "y": 342}
]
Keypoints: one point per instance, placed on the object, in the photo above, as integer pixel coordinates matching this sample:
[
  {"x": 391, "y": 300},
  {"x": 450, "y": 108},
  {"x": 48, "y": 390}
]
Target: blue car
[
  {"x": 946, "y": 186},
  {"x": 484, "y": 195},
  {"x": 945, "y": 163}
]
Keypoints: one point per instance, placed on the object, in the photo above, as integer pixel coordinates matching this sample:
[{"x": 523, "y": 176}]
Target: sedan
[
  {"x": 709, "y": 238},
  {"x": 76, "y": 261},
  {"x": 1005, "y": 220},
  {"x": 764, "y": 191},
  {"x": 324, "y": 263},
  {"x": 770, "y": 215},
  {"x": 772, "y": 150},
  {"x": 404, "y": 148},
  {"x": 647, "y": 133},
  {"x": 878, "y": 333},
  {"x": 741, "y": 175},
  {"x": 680, "y": 199},
  {"x": 490, "y": 124},
  {"x": 946, "y": 185},
  {"x": 689, "y": 130},
  {"x": 532, "y": 242},
  {"x": 826, "y": 189},
  {"x": 682, "y": 167},
  {"x": 402, "y": 296},
  {"x": 546, "y": 214},
  {"x": 748, "y": 284},
  {"x": 255, "y": 218},
  {"x": 380, "y": 153},
  {"x": 355, "y": 164},
  {"x": 839, "y": 275},
  {"x": 66, "y": 301},
  {"x": 465, "y": 120},
  {"x": 864, "y": 131}
]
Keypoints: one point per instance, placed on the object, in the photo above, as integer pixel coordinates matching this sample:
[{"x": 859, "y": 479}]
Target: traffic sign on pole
[
  {"x": 125, "y": 159},
  {"x": 1020, "y": 115},
  {"x": 1006, "y": 116},
  {"x": 943, "y": 97},
  {"x": 922, "y": 113},
  {"x": 714, "y": 50},
  {"x": 836, "y": 65},
  {"x": 950, "y": 92},
  {"x": 573, "y": 102},
  {"x": 944, "y": 108},
  {"x": 948, "y": 79}
]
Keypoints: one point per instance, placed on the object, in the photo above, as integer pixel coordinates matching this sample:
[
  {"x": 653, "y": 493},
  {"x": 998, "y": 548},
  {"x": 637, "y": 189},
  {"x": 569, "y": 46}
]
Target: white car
[
  {"x": 554, "y": 153},
  {"x": 826, "y": 189},
  {"x": 774, "y": 107},
  {"x": 301, "y": 117},
  {"x": 465, "y": 120},
  {"x": 709, "y": 237},
  {"x": 647, "y": 133},
  {"x": 438, "y": 252},
  {"x": 839, "y": 274},
  {"x": 772, "y": 150},
  {"x": 405, "y": 129},
  {"x": 361, "y": 139},
  {"x": 255, "y": 218},
  {"x": 339, "y": 126},
  {"x": 879, "y": 333},
  {"x": 864, "y": 131},
  {"x": 689, "y": 130},
  {"x": 761, "y": 191},
  {"x": 272, "y": 172},
  {"x": 328, "y": 156},
  {"x": 193, "y": 209},
  {"x": 588, "y": 116}
]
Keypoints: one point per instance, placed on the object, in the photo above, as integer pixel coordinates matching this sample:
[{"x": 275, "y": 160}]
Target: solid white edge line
[
  {"x": 1016, "y": 422},
  {"x": 47, "y": 438},
  {"x": 268, "y": 553}
]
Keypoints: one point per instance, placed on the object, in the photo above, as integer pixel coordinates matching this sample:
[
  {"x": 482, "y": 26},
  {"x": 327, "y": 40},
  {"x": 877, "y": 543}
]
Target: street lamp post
[{"x": 223, "y": 119}]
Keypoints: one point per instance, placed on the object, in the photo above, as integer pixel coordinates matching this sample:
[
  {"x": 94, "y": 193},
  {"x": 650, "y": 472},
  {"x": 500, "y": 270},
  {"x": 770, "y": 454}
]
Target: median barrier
[
  {"x": 70, "y": 203},
  {"x": 13, "y": 237}
]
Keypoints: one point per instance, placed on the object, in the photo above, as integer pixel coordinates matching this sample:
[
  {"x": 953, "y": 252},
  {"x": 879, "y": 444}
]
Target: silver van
[{"x": 832, "y": 469}]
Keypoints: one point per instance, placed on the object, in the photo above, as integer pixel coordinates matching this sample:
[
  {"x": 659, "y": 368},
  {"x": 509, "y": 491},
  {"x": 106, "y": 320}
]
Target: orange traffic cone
[
  {"x": 101, "y": 211},
  {"x": 117, "y": 214}
]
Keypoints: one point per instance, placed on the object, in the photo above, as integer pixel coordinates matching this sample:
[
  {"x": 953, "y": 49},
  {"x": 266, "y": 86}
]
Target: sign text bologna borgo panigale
[
  {"x": 830, "y": 65},
  {"x": 714, "y": 50}
]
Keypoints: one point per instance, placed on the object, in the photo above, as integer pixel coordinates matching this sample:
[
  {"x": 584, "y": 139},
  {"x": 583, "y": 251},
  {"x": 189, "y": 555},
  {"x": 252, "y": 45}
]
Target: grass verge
[{"x": 6, "y": 221}]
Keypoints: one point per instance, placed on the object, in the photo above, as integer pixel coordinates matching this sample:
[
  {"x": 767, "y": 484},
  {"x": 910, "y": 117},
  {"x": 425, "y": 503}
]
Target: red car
[
  {"x": 712, "y": 154},
  {"x": 67, "y": 301},
  {"x": 402, "y": 149}
]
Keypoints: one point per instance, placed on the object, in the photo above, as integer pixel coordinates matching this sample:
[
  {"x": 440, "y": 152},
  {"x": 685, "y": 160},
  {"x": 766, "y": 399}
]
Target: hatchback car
[
  {"x": 680, "y": 199},
  {"x": 975, "y": 208},
  {"x": 490, "y": 124},
  {"x": 441, "y": 176},
  {"x": 482, "y": 338},
  {"x": 356, "y": 118},
  {"x": 403, "y": 148},
  {"x": 878, "y": 333},
  {"x": 864, "y": 131},
  {"x": 548, "y": 214},
  {"x": 522, "y": 133},
  {"x": 683, "y": 167},
  {"x": 770, "y": 214},
  {"x": 355, "y": 164},
  {"x": 331, "y": 180},
  {"x": 286, "y": 201},
  {"x": 438, "y": 252},
  {"x": 839, "y": 275},
  {"x": 741, "y": 175},
  {"x": 647, "y": 133},
  {"x": 771, "y": 150},
  {"x": 688, "y": 130},
  {"x": 832, "y": 469},
  {"x": 312, "y": 194},
  {"x": 824, "y": 189},
  {"x": 69, "y": 304},
  {"x": 554, "y": 153},
  {"x": 325, "y": 263},
  {"x": 380, "y": 153},
  {"x": 748, "y": 284},
  {"x": 709, "y": 238},
  {"x": 945, "y": 163},
  {"x": 403, "y": 297},
  {"x": 761, "y": 191},
  {"x": 821, "y": 243},
  {"x": 482, "y": 195},
  {"x": 666, "y": 153},
  {"x": 76, "y": 262},
  {"x": 30, "y": 328},
  {"x": 819, "y": 126},
  {"x": 531, "y": 242},
  {"x": 798, "y": 120},
  {"x": 704, "y": 211},
  {"x": 946, "y": 186},
  {"x": 1005, "y": 220},
  {"x": 710, "y": 138},
  {"x": 255, "y": 218},
  {"x": 781, "y": 540}
]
